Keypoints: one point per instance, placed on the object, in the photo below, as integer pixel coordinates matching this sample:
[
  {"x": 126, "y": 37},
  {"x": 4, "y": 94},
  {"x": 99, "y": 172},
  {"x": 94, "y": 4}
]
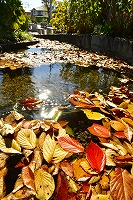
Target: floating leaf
[
  {"x": 27, "y": 138},
  {"x": 121, "y": 186},
  {"x": 93, "y": 115},
  {"x": 95, "y": 157},
  {"x": 99, "y": 130},
  {"x": 69, "y": 144},
  {"x": 44, "y": 184}
]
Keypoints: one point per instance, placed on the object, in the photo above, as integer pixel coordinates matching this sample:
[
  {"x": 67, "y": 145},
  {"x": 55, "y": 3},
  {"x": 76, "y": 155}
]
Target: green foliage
[
  {"x": 94, "y": 16},
  {"x": 13, "y": 19},
  {"x": 118, "y": 17}
]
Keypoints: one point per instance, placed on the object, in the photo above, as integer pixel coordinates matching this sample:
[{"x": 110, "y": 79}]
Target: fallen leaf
[
  {"x": 118, "y": 126},
  {"x": 93, "y": 115},
  {"x": 28, "y": 178},
  {"x": 49, "y": 148},
  {"x": 44, "y": 184},
  {"x": 69, "y": 144},
  {"x": 26, "y": 138},
  {"x": 121, "y": 186},
  {"x": 99, "y": 130},
  {"x": 95, "y": 157}
]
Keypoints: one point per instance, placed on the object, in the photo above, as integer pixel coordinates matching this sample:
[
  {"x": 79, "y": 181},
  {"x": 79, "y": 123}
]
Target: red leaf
[
  {"x": 62, "y": 187},
  {"x": 69, "y": 144},
  {"x": 28, "y": 101},
  {"x": 95, "y": 157},
  {"x": 121, "y": 185},
  {"x": 120, "y": 134},
  {"x": 99, "y": 130}
]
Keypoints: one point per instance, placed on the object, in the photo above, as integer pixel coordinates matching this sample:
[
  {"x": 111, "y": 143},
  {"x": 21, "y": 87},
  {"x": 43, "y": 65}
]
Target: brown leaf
[
  {"x": 67, "y": 168},
  {"x": 28, "y": 177},
  {"x": 121, "y": 186}
]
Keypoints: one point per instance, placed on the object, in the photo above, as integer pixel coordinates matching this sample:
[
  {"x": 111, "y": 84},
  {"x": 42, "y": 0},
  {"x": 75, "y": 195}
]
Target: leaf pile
[
  {"x": 48, "y": 167},
  {"x": 49, "y": 52}
]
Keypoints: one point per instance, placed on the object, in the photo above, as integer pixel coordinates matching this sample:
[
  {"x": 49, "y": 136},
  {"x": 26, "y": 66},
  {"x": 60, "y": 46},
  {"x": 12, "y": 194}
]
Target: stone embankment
[
  {"x": 7, "y": 47},
  {"x": 118, "y": 47}
]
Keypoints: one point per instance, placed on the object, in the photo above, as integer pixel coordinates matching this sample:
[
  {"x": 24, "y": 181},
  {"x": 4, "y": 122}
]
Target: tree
[
  {"x": 13, "y": 16},
  {"x": 48, "y": 4}
]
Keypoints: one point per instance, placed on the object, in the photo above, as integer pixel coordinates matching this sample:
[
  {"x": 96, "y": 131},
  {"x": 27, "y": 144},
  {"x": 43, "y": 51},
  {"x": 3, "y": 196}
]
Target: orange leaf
[
  {"x": 69, "y": 144},
  {"x": 79, "y": 173},
  {"x": 95, "y": 157},
  {"x": 79, "y": 101},
  {"x": 28, "y": 178},
  {"x": 99, "y": 130},
  {"x": 121, "y": 186}
]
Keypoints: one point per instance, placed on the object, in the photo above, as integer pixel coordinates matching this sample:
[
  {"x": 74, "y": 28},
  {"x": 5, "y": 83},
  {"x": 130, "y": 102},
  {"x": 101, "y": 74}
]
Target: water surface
[{"x": 51, "y": 83}]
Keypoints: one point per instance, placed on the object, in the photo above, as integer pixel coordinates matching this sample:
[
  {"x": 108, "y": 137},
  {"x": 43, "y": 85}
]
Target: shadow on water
[{"x": 51, "y": 83}]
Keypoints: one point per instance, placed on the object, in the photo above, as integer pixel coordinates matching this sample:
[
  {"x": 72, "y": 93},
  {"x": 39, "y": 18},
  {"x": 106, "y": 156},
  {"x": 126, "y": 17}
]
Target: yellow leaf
[
  {"x": 118, "y": 126},
  {"x": 60, "y": 154},
  {"x": 93, "y": 115},
  {"x": 130, "y": 109},
  {"x": 128, "y": 121},
  {"x": 48, "y": 148},
  {"x": 44, "y": 184},
  {"x": 9, "y": 147},
  {"x": 101, "y": 197},
  {"x": 79, "y": 173},
  {"x": 26, "y": 138}
]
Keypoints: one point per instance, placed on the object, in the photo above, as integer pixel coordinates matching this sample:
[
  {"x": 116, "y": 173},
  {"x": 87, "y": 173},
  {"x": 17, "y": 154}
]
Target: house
[{"x": 40, "y": 12}]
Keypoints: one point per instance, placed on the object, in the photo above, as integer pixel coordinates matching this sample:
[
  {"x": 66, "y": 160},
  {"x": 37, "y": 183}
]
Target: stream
[{"x": 52, "y": 83}]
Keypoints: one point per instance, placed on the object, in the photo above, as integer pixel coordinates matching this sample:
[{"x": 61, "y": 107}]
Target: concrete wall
[{"x": 118, "y": 47}]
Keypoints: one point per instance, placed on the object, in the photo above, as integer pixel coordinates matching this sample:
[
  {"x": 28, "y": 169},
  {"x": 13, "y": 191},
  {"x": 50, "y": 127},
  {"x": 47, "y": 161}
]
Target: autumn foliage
[{"x": 55, "y": 165}]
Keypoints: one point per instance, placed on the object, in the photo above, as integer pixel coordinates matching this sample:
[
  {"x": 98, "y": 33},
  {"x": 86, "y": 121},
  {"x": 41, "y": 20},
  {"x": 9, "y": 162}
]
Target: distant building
[{"x": 40, "y": 12}]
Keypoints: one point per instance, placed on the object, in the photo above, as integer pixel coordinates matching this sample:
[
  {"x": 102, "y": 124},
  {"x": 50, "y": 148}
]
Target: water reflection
[{"x": 52, "y": 84}]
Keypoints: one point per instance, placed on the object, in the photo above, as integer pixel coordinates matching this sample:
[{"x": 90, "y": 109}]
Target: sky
[{"x": 29, "y": 4}]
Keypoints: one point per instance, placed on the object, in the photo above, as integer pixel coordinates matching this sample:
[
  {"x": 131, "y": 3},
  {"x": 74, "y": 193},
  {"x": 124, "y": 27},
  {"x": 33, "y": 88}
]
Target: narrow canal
[{"x": 50, "y": 82}]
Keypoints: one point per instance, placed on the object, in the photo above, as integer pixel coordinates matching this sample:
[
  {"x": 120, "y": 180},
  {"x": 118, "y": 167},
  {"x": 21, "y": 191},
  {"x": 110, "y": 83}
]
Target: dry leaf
[
  {"x": 121, "y": 186},
  {"x": 44, "y": 184},
  {"x": 26, "y": 138}
]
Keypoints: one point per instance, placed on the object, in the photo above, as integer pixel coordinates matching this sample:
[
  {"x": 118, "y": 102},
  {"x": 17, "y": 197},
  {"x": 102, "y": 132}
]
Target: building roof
[{"x": 43, "y": 7}]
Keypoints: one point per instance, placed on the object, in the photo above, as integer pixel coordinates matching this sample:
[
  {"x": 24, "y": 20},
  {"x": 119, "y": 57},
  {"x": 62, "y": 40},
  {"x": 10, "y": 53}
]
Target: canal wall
[
  {"x": 7, "y": 47},
  {"x": 118, "y": 47}
]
